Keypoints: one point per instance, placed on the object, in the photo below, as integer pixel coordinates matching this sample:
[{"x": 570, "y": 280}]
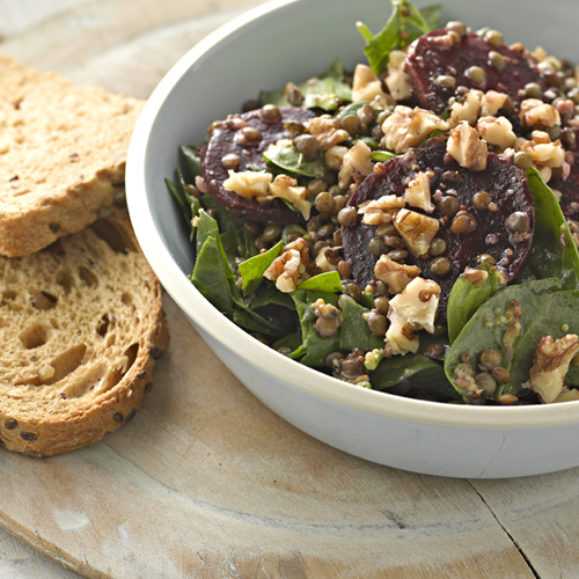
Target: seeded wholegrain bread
[
  {"x": 81, "y": 326},
  {"x": 62, "y": 155}
]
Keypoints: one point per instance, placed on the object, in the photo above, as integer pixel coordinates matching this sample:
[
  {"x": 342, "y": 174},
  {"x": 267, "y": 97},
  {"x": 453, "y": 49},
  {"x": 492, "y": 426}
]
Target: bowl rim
[{"x": 211, "y": 321}]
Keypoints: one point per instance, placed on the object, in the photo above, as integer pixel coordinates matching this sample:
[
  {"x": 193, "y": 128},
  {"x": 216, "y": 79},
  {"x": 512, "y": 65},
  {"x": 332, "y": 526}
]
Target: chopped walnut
[
  {"x": 417, "y": 193},
  {"x": 550, "y": 365},
  {"x": 397, "y": 81},
  {"x": 543, "y": 152},
  {"x": 406, "y": 127},
  {"x": 465, "y": 146},
  {"x": 285, "y": 270},
  {"x": 327, "y": 130},
  {"x": 536, "y": 113},
  {"x": 417, "y": 230},
  {"x": 493, "y": 101},
  {"x": 395, "y": 275},
  {"x": 248, "y": 184},
  {"x": 411, "y": 310},
  {"x": 301, "y": 245},
  {"x": 401, "y": 337},
  {"x": 356, "y": 164},
  {"x": 497, "y": 131},
  {"x": 287, "y": 188},
  {"x": 366, "y": 85},
  {"x": 381, "y": 210},
  {"x": 466, "y": 110},
  {"x": 327, "y": 259}
]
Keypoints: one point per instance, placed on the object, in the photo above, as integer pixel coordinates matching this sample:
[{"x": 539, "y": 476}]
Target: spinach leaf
[
  {"x": 513, "y": 321},
  {"x": 207, "y": 227},
  {"x": 191, "y": 162},
  {"x": 466, "y": 296},
  {"x": 549, "y": 257},
  {"x": 314, "y": 349},
  {"x": 237, "y": 243},
  {"x": 413, "y": 373},
  {"x": 432, "y": 15},
  {"x": 212, "y": 276},
  {"x": 405, "y": 25},
  {"x": 227, "y": 219},
  {"x": 292, "y": 228},
  {"x": 354, "y": 332},
  {"x": 329, "y": 282},
  {"x": 327, "y": 92},
  {"x": 287, "y": 157},
  {"x": 252, "y": 269}
]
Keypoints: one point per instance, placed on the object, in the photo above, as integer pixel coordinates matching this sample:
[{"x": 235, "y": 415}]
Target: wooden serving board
[{"x": 206, "y": 481}]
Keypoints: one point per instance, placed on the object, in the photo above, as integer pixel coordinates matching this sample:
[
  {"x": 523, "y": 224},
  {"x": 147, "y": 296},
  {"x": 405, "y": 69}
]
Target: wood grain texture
[{"x": 206, "y": 481}]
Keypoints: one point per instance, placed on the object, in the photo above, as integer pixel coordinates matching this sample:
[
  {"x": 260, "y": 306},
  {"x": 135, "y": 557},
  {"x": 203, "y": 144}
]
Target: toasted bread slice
[
  {"x": 62, "y": 155},
  {"x": 81, "y": 326}
]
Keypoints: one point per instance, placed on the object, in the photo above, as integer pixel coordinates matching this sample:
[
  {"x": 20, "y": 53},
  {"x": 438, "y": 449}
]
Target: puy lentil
[
  {"x": 463, "y": 223},
  {"x": 438, "y": 246},
  {"x": 518, "y": 222},
  {"x": 348, "y": 216},
  {"x": 271, "y": 233},
  {"x": 377, "y": 246},
  {"x": 351, "y": 124},
  {"x": 522, "y": 160},
  {"x": 294, "y": 95},
  {"x": 440, "y": 267},
  {"x": 269, "y": 113},
  {"x": 486, "y": 383},
  {"x": 445, "y": 81},
  {"x": 456, "y": 26},
  {"x": 381, "y": 303},
  {"x": 308, "y": 146},
  {"x": 533, "y": 90},
  {"x": 398, "y": 255},
  {"x": 344, "y": 269},
  {"x": 475, "y": 74},
  {"x": 495, "y": 37},
  {"x": 448, "y": 205},
  {"x": 377, "y": 323},
  {"x": 343, "y": 299},
  {"x": 497, "y": 60},
  {"x": 481, "y": 200},
  {"x": 366, "y": 113},
  {"x": 324, "y": 202},
  {"x": 501, "y": 375},
  {"x": 380, "y": 288},
  {"x": 353, "y": 290},
  {"x": 490, "y": 359},
  {"x": 231, "y": 161},
  {"x": 386, "y": 229}
]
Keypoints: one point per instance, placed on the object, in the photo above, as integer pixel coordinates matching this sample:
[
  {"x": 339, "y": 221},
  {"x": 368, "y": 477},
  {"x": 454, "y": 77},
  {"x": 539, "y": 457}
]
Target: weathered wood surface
[{"x": 206, "y": 481}]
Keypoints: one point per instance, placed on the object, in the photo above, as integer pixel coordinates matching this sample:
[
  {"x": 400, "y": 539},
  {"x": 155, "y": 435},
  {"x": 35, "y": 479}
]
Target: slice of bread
[
  {"x": 62, "y": 155},
  {"x": 81, "y": 325}
]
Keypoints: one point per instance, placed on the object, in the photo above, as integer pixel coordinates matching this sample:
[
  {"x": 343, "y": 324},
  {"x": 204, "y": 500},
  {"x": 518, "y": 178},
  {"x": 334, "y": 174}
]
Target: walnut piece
[
  {"x": 248, "y": 184},
  {"x": 497, "y": 131},
  {"x": 381, "y": 210},
  {"x": 417, "y": 193},
  {"x": 493, "y": 101},
  {"x": 550, "y": 365},
  {"x": 417, "y": 230},
  {"x": 466, "y": 110},
  {"x": 327, "y": 130},
  {"x": 356, "y": 164},
  {"x": 406, "y": 127},
  {"x": 285, "y": 187},
  {"x": 465, "y": 146},
  {"x": 536, "y": 113},
  {"x": 411, "y": 310},
  {"x": 397, "y": 81},
  {"x": 366, "y": 86},
  {"x": 395, "y": 275},
  {"x": 285, "y": 270}
]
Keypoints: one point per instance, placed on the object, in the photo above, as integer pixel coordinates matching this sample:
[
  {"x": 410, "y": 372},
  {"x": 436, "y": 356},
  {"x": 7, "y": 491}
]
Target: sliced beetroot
[
  {"x": 495, "y": 234},
  {"x": 431, "y": 57},
  {"x": 234, "y": 138}
]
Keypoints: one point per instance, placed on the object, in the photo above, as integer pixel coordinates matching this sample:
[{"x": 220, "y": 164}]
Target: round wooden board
[{"x": 206, "y": 481}]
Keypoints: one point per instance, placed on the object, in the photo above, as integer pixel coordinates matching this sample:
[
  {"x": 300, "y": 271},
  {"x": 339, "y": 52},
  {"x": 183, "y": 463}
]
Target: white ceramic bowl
[{"x": 264, "y": 49}]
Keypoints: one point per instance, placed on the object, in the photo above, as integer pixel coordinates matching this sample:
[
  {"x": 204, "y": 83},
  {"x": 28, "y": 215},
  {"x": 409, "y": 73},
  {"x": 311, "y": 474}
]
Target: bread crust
[
  {"x": 82, "y": 328},
  {"x": 62, "y": 155}
]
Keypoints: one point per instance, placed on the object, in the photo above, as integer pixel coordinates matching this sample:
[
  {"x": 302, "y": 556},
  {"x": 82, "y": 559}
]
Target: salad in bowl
[{"x": 408, "y": 226}]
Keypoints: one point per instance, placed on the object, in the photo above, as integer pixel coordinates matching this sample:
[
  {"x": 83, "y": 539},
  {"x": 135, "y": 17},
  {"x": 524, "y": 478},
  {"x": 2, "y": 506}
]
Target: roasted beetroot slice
[
  {"x": 493, "y": 236},
  {"x": 229, "y": 139},
  {"x": 431, "y": 57}
]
